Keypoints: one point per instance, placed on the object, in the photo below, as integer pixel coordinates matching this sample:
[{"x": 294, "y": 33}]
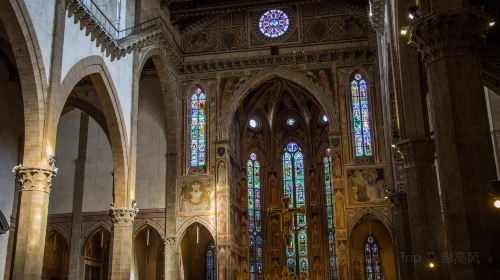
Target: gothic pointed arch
[
  {"x": 95, "y": 68},
  {"x": 15, "y": 19}
]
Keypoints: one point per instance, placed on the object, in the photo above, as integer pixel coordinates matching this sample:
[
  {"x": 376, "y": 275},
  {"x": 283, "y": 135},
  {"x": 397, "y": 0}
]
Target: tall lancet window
[
  {"x": 254, "y": 218},
  {"x": 210, "y": 254},
  {"x": 372, "y": 260},
  {"x": 361, "y": 117},
  {"x": 327, "y": 170},
  {"x": 198, "y": 128},
  {"x": 294, "y": 189}
]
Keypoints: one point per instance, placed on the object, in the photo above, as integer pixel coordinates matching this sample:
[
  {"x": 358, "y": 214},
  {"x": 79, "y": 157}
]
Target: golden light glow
[
  {"x": 497, "y": 203},
  {"x": 403, "y": 31},
  {"x": 432, "y": 265}
]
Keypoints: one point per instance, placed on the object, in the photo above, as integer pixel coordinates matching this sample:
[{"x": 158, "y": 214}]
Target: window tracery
[
  {"x": 294, "y": 188},
  {"x": 198, "y": 128},
  {"x": 327, "y": 170},
  {"x": 361, "y": 117},
  {"x": 372, "y": 259},
  {"x": 255, "y": 239}
]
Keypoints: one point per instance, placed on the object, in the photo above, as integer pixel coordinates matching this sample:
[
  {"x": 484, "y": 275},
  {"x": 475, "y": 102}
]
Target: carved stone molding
[
  {"x": 449, "y": 32},
  {"x": 377, "y": 15},
  {"x": 169, "y": 241},
  {"x": 274, "y": 60},
  {"x": 34, "y": 178},
  {"x": 123, "y": 217}
]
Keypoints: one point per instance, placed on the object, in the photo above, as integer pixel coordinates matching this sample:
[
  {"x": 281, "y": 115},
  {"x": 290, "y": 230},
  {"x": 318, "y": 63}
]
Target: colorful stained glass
[
  {"x": 198, "y": 126},
  {"x": 327, "y": 170},
  {"x": 372, "y": 260},
  {"x": 254, "y": 205},
  {"x": 294, "y": 188},
  {"x": 274, "y": 23},
  {"x": 290, "y": 121},
  {"x": 210, "y": 254},
  {"x": 361, "y": 117}
]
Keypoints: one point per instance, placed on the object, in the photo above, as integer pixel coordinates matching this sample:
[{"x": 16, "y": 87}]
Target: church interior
[{"x": 250, "y": 140}]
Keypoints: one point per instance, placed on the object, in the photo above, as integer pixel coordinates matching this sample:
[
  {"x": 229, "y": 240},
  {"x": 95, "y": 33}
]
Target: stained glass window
[
  {"x": 290, "y": 121},
  {"x": 294, "y": 189},
  {"x": 211, "y": 262},
  {"x": 372, "y": 260},
  {"x": 327, "y": 170},
  {"x": 198, "y": 126},
  {"x": 255, "y": 240},
  {"x": 361, "y": 117},
  {"x": 274, "y": 23}
]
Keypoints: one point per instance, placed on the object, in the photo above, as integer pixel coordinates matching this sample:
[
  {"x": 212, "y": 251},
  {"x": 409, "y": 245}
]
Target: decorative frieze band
[
  {"x": 34, "y": 178},
  {"x": 123, "y": 217},
  {"x": 274, "y": 60}
]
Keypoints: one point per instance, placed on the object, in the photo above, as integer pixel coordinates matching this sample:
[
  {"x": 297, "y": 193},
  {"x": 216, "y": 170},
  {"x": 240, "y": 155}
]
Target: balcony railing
[{"x": 97, "y": 16}]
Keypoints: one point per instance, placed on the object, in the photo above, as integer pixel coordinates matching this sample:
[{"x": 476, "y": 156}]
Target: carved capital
[
  {"x": 34, "y": 178},
  {"x": 448, "y": 33},
  {"x": 123, "y": 217},
  {"x": 377, "y": 15},
  {"x": 169, "y": 240},
  {"x": 417, "y": 152}
]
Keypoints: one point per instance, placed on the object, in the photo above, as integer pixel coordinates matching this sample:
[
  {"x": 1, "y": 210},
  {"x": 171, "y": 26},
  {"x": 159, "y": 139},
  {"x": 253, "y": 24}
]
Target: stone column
[
  {"x": 35, "y": 183},
  {"x": 12, "y": 234},
  {"x": 170, "y": 258},
  {"x": 450, "y": 41},
  {"x": 75, "y": 259},
  {"x": 170, "y": 230},
  {"x": 424, "y": 210},
  {"x": 121, "y": 247}
]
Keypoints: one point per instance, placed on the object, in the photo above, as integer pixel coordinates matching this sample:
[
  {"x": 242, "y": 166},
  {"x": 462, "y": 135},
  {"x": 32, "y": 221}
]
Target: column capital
[
  {"x": 449, "y": 32},
  {"x": 123, "y": 217},
  {"x": 33, "y": 178},
  {"x": 377, "y": 15}
]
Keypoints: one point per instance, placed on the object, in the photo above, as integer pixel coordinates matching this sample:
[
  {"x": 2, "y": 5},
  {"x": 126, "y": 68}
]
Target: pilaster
[
  {"x": 223, "y": 209},
  {"x": 121, "y": 250},
  {"x": 35, "y": 184}
]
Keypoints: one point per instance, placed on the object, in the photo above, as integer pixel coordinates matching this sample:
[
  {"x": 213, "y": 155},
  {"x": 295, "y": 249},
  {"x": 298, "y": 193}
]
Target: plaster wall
[
  {"x": 42, "y": 14},
  {"x": 98, "y": 185},
  {"x": 77, "y": 46},
  {"x": 61, "y": 196},
  {"x": 151, "y": 146}
]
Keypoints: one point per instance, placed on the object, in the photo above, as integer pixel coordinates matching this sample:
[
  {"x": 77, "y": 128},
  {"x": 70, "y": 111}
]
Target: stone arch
[
  {"x": 95, "y": 68},
  {"x": 140, "y": 225},
  {"x": 279, "y": 72},
  {"x": 90, "y": 232},
  {"x": 182, "y": 230},
  {"x": 22, "y": 37},
  {"x": 60, "y": 230},
  {"x": 369, "y": 211},
  {"x": 167, "y": 83}
]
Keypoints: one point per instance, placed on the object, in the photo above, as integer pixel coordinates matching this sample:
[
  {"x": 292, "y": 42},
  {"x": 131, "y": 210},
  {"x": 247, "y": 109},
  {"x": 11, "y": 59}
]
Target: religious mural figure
[
  {"x": 221, "y": 174},
  {"x": 366, "y": 185},
  {"x": 339, "y": 209},
  {"x": 196, "y": 197},
  {"x": 337, "y": 166}
]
